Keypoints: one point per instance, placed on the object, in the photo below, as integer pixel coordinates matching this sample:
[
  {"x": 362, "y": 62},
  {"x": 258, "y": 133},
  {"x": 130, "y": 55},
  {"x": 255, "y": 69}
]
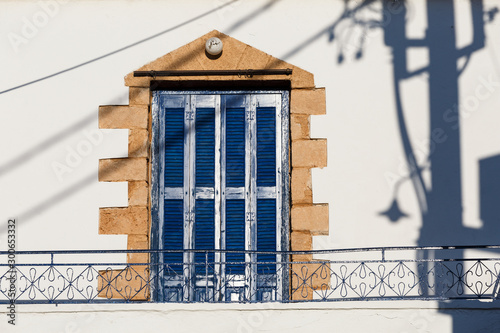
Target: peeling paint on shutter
[
  {"x": 266, "y": 234},
  {"x": 235, "y": 147},
  {"x": 235, "y": 235},
  {"x": 174, "y": 177},
  {"x": 173, "y": 235},
  {"x": 266, "y": 176},
  {"x": 266, "y": 146},
  {"x": 205, "y": 147},
  {"x": 174, "y": 147},
  {"x": 220, "y": 188}
]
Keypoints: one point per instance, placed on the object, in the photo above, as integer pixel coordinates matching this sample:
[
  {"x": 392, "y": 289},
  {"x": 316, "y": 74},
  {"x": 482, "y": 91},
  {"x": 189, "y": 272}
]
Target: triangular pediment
[{"x": 235, "y": 56}]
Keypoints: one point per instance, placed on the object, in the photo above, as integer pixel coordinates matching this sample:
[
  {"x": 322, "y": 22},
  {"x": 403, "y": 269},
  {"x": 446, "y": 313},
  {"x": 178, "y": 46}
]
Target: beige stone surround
[{"x": 307, "y": 219}]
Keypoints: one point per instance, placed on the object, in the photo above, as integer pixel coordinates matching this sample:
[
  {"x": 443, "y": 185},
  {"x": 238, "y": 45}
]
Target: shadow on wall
[{"x": 440, "y": 205}]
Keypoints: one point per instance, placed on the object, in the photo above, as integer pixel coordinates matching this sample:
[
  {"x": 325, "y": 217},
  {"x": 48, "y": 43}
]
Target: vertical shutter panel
[
  {"x": 235, "y": 235},
  {"x": 266, "y": 234},
  {"x": 235, "y": 177},
  {"x": 174, "y": 147},
  {"x": 173, "y": 234},
  {"x": 204, "y": 238},
  {"x": 266, "y": 146},
  {"x": 173, "y": 229},
  {"x": 266, "y": 176},
  {"x": 205, "y": 147},
  {"x": 204, "y": 228}
]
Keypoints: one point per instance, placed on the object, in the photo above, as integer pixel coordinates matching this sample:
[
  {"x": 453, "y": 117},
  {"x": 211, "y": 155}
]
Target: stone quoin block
[
  {"x": 123, "y": 169},
  {"x": 309, "y": 153},
  {"x": 301, "y": 79},
  {"x": 301, "y": 186},
  {"x": 308, "y": 277},
  {"x": 137, "y": 242},
  {"x": 312, "y": 218},
  {"x": 299, "y": 127},
  {"x": 138, "y": 140},
  {"x": 130, "y": 283},
  {"x": 123, "y": 116},
  {"x": 123, "y": 221},
  {"x": 308, "y": 101},
  {"x": 301, "y": 290},
  {"x": 138, "y": 193},
  {"x": 138, "y": 96},
  {"x": 301, "y": 241}
]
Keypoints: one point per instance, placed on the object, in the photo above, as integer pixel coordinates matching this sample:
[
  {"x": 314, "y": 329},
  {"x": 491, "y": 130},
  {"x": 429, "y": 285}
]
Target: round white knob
[{"x": 213, "y": 46}]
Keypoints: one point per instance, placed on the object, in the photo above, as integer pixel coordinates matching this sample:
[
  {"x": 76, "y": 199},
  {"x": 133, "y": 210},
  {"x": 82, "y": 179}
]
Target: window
[{"x": 220, "y": 185}]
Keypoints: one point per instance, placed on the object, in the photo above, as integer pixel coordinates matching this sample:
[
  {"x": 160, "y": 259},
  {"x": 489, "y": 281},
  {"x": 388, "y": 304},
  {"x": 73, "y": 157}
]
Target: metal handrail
[{"x": 412, "y": 272}]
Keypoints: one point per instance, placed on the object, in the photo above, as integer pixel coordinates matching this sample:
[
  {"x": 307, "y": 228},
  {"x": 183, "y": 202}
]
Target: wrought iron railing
[{"x": 429, "y": 273}]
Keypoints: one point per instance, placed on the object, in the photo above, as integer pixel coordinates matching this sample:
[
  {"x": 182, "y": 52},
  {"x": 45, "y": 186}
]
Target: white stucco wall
[
  {"x": 51, "y": 123},
  {"x": 44, "y": 123},
  {"x": 377, "y": 317}
]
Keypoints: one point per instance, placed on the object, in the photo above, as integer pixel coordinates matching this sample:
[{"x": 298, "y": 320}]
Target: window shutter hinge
[
  {"x": 250, "y": 115},
  {"x": 189, "y": 217},
  {"x": 250, "y": 216},
  {"x": 189, "y": 115}
]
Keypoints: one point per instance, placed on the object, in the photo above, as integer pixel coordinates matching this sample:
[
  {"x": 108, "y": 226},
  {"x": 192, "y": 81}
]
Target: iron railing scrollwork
[{"x": 422, "y": 273}]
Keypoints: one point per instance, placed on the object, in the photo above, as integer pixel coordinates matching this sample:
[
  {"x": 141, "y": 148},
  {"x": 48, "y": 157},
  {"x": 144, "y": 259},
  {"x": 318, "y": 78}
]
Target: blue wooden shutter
[
  {"x": 173, "y": 229},
  {"x": 266, "y": 234},
  {"x": 222, "y": 186},
  {"x": 266, "y": 146},
  {"x": 235, "y": 235},
  {"x": 234, "y": 171},
  {"x": 235, "y": 145},
  {"x": 205, "y": 147},
  {"x": 204, "y": 231},
  {"x": 204, "y": 235},
  {"x": 266, "y": 176},
  {"x": 174, "y": 147}
]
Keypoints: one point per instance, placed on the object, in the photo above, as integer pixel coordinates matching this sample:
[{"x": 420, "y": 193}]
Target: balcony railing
[{"x": 425, "y": 273}]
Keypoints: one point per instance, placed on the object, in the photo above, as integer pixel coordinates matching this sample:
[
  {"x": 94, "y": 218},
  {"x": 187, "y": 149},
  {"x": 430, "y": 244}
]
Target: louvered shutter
[
  {"x": 266, "y": 177},
  {"x": 204, "y": 224},
  {"x": 220, "y": 184},
  {"x": 173, "y": 231},
  {"x": 233, "y": 166}
]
